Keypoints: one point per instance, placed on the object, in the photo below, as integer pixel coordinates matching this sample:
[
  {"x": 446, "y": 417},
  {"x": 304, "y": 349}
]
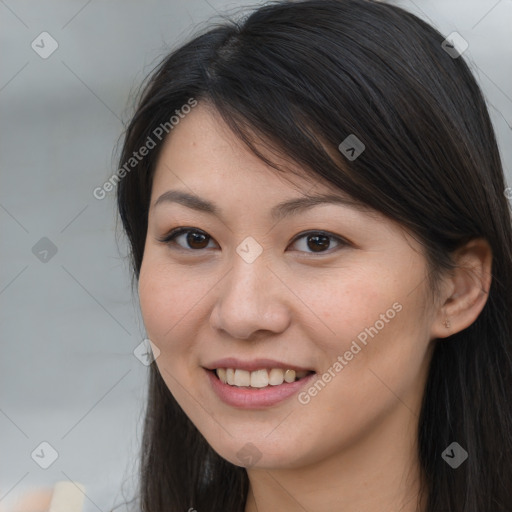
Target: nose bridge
[
  {"x": 250, "y": 300},
  {"x": 250, "y": 280}
]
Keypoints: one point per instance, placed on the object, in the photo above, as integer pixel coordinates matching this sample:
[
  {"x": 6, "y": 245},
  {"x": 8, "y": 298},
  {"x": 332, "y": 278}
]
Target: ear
[{"x": 466, "y": 289}]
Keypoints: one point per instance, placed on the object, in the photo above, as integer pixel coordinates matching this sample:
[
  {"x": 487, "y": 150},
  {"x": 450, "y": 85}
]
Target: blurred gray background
[{"x": 69, "y": 320}]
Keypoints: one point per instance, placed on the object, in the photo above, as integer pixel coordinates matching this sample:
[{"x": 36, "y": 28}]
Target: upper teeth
[{"x": 258, "y": 378}]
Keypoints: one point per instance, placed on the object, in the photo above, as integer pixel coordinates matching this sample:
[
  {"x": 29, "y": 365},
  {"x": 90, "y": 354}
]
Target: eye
[
  {"x": 317, "y": 241},
  {"x": 195, "y": 239},
  {"x": 192, "y": 237}
]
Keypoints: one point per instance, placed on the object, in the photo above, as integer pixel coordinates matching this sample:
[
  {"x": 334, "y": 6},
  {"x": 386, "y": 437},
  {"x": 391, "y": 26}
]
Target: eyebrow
[{"x": 278, "y": 212}]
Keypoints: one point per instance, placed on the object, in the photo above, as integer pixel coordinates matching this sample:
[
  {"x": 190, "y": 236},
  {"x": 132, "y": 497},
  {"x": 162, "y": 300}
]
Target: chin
[{"x": 260, "y": 453}]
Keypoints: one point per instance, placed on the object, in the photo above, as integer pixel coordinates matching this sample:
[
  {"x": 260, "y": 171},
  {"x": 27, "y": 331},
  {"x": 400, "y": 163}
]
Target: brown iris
[
  {"x": 197, "y": 240},
  {"x": 322, "y": 242}
]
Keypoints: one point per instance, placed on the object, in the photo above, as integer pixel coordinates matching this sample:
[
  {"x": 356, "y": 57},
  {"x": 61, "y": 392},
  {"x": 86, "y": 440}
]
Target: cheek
[
  {"x": 379, "y": 353},
  {"x": 166, "y": 305},
  {"x": 347, "y": 303},
  {"x": 165, "y": 298},
  {"x": 373, "y": 322}
]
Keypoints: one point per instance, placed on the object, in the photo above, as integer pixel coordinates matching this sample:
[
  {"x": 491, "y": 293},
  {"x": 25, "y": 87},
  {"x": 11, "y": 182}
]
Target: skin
[
  {"x": 353, "y": 446},
  {"x": 35, "y": 500}
]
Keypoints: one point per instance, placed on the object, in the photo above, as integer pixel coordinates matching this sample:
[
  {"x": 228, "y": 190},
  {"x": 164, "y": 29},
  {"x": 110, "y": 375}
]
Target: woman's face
[{"x": 255, "y": 289}]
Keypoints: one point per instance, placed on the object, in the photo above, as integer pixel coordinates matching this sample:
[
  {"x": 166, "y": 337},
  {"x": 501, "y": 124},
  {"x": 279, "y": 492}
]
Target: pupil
[
  {"x": 194, "y": 238},
  {"x": 321, "y": 240}
]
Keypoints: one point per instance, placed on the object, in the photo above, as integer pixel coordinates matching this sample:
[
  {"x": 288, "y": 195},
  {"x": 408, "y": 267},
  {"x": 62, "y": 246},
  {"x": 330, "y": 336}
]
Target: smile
[
  {"x": 260, "y": 378},
  {"x": 269, "y": 387}
]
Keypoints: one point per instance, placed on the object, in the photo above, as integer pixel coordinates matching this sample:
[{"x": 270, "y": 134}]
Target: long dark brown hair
[{"x": 299, "y": 77}]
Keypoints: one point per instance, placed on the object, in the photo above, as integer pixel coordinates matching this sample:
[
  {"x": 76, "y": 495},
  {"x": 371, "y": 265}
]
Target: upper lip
[{"x": 253, "y": 364}]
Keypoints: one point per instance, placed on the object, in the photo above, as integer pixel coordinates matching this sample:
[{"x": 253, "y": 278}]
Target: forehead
[{"x": 201, "y": 150}]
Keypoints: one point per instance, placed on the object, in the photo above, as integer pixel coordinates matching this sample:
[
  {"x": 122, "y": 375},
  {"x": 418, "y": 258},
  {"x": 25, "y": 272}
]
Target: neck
[{"x": 378, "y": 472}]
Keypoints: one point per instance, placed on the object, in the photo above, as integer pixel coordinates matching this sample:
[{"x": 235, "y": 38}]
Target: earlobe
[{"x": 469, "y": 286}]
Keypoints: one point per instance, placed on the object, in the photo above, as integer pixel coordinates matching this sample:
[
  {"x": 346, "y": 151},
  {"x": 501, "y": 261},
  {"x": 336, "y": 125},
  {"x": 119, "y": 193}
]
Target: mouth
[
  {"x": 259, "y": 379},
  {"x": 257, "y": 389},
  {"x": 257, "y": 383}
]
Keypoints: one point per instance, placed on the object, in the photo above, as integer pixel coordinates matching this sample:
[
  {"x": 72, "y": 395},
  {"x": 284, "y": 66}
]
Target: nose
[{"x": 250, "y": 299}]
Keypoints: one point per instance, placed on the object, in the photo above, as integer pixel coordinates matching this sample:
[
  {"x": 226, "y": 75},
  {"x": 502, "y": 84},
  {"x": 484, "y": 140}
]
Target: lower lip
[{"x": 255, "y": 398}]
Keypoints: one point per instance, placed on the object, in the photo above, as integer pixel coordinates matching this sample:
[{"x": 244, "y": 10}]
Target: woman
[{"x": 315, "y": 206}]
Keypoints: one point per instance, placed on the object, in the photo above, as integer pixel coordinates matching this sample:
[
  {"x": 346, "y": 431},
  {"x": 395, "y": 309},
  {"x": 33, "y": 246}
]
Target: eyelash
[{"x": 170, "y": 239}]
